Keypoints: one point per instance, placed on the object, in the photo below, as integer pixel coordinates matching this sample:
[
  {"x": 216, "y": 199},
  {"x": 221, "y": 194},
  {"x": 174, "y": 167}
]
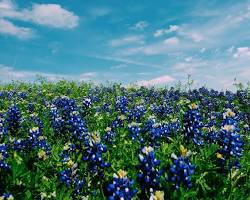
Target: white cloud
[
  {"x": 86, "y": 76},
  {"x": 144, "y": 73},
  {"x": 190, "y": 66},
  {"x": 8, "y": 28},
  {"x": 52, "y": 15},
  {"x": 227, "y": 83},
  {"x": 134, "y": 39},
  {"x": 171, "y": 44},
  {"x": 119, "y": 66},
  {"x": 188, "y": 59},
  {"x": 125, "y": 61},
  {"x": 159, "y": 80},
  {"x": 203, "y": 50},
  {"x": 230, "y": 49},
  {"x": 242, "y": 52},
  {"x": 141, "y": 25},
  {"x": 196, "y": 37},
  {"x": 171, "y": 41},
  {"x": 6, "y": 5},
  {"x": 245, "y": 73},
  {"x": 161, "y": 32},
  {"x": 8, "y": 73}
]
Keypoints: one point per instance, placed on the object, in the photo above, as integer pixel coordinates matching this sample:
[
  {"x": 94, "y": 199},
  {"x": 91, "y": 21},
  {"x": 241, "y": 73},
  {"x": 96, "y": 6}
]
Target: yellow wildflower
[
  {"x": 158, "y": 195},
  {"x": 219, "y": 155},
  {"x": 122, "y": 174},
  {"x": 70, "y": 163},
  {"x": 42, "y": 155}
]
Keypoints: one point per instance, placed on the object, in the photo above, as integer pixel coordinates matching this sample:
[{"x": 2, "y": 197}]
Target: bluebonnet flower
[
  {"x": 34, "y": 133},
  {"x": 68, "y": 151},
  {"x": 3, "y": 94},
  {"x": 7, "y": 196},
  {"x": 109, "y": 135},
  {"x": 93, "y": 154},
  {"x": 149, "y": 173},
  {"x": 71, "y": 178},
  {"x": 34, "y": 118},
  {"x": 119, "y": 121},
  {"x": 44, "y": 148},
  {"x": 13, "y": 119},
  {"x": 121, "y": 104},
  {"x": 242, "y": 95},
  {"x": 136, "y": 113},
  {"x": 3, "y": 130},
  {"x": 157, "y": 132},
  {"x": 148, "y": 125},
  {"x": 61, "y": 110},
  {"x": 160, "y": 111},
  {"x": 65, "y": 104},
  {"x": 174, "y": 125},
  {"x": 87, "y": 102},
  {"x": 181, "y": 169},
  {"x": 3, "y": 157},
  {"x": 193, "y": 124},
  {"x": 135, "y": 130},
  {"x": 121, "y": 187},
  {"x": 107, "y": 107},
  {"x": 22, "y": 95},
  {"x": 71, "y": 175},
  {"x": 77, "y": 126},
  {"x": 58, "y": 123},
  {"x": 37, "y": 140},
  {"x": 69, "y": 148},
  {"x": 20, "y": 144},
  {"x": 212, "y": 135},
  {"x": 10, "y": 94},
  {"x": 31, "y": 107},
  {"x": 231, "y": 143}
]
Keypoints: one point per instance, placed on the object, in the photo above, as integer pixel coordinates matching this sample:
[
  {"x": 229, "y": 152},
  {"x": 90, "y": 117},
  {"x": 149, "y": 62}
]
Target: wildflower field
[{"x": 79, "y": 141}]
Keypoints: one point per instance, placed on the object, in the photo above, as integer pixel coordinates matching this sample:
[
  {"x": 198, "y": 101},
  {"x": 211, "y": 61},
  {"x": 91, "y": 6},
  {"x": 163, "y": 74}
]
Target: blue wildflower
[
  {"x": 71, "y": 179},
  {"x": 109, "y": 135},
  {"x": 231, "y": 143},
  {"x": 137, "y": 113},
  {"x": 13, "y": 119},
  {"x": 135, "y": 130},
  {"x": 121, "y": 187},
  {"x": 181, "y": 169},
  {"x": 7, "y": 196},
  {"x": 93, "y": 154},
  {"x": 149, "y": 173},
  {"x": 121, "y": 104},
  {"x": 3, "y": 157},
  {"x": 3, "y": 130},
  {"x": 77, "y": 126},
  {"x": 193, "y": 124}
]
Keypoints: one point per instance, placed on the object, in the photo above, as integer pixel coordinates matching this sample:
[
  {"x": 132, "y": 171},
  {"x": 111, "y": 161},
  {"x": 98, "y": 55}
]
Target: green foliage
[{"x": 33, "y": 178}]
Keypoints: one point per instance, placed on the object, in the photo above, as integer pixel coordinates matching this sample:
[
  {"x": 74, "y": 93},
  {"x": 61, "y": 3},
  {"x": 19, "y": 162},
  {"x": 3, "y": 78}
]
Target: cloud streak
[
  {"x": 8, "y": 73},
  {"x": 141, "y": 25},
  {"x": 156, "y": 81},
  {"x": 8, "y": 28},
  {"x": 133, "y": 39},
  {"x": 161, "y": 32}
]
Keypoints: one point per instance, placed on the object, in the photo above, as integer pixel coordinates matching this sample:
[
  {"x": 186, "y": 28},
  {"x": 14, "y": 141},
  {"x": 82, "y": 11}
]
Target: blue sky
[{"x": 143, "y": 42}]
